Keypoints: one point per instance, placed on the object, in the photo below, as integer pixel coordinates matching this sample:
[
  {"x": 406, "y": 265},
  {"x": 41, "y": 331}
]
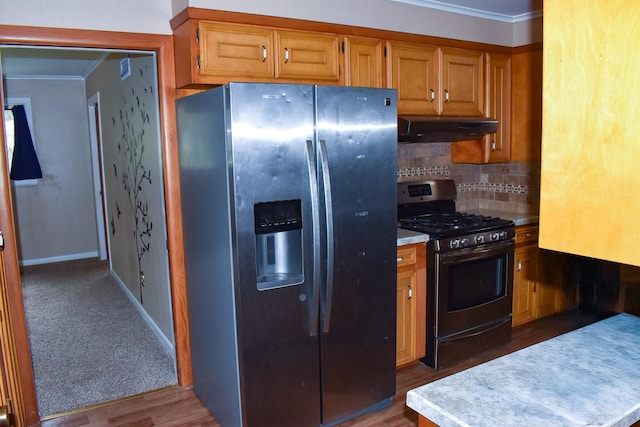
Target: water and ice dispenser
[{"x": 278, "y": 229}]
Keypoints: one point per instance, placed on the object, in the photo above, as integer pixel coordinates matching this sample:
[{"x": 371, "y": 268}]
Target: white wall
[
  {"x": 56, "y": 218},
  {"x": 153, "y": 16}
]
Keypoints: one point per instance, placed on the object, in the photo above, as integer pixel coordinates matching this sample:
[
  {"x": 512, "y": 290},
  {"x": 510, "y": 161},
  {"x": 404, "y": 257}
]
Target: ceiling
[{"x": 77, "y": 63}]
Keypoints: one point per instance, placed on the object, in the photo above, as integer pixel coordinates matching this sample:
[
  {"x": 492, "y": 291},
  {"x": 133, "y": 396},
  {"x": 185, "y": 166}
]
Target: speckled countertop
[
  {"x": 587, "y": 377},
  {"x": 407, "y": 237},
  {"x": 517, "y": 218}
]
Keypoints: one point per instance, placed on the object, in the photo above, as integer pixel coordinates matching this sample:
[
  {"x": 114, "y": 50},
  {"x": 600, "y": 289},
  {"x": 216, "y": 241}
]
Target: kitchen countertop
[
  {"x": 587, "y": 377},
  {"x": 517, "y": 218},
  {"x": 407, "y": 237}
]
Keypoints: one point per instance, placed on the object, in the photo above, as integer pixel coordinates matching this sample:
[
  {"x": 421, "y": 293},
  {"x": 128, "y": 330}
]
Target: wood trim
[
  {"x": 21, "y": 371},
  {"x": 347, "y": 30},
  {"x": 162, "y": 45}
]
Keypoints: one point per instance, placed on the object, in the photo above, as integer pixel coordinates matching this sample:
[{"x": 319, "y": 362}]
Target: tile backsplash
[{"x": 508, "y": 187}]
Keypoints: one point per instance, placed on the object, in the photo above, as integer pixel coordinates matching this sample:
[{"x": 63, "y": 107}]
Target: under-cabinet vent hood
[{"x": 444, "y": 129}]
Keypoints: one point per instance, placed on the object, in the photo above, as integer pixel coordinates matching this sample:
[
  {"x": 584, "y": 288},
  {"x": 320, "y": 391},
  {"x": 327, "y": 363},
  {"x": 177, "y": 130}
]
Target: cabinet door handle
[
  {"x": 264, "y": 53},
  {"x": 519, "y": 265},
  {"x": 446, "y": 95},
  {"x": 286, "y": 55},
  {"x": 400, "y": 259},
  {"x": 528, "y": 234},
  {"x": 493, "y": 145},
  {"x": 410, "y": 292},
  {"x": 433, "y": 95}
]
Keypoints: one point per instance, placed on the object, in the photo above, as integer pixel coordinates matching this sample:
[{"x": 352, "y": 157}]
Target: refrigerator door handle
[
  {"x": 326, "y": 181},
  {"x": 315, "y": 219}
]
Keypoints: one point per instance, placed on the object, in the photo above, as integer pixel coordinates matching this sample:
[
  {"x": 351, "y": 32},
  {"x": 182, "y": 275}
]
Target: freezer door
[
  {"x": 357, "y": 149},
  {"x": 271, "y": 129}
]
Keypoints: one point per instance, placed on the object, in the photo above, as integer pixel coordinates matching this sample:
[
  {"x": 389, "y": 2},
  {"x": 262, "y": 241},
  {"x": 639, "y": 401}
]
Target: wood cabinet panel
[
  {"x": 306, "y": 55},
  {"x": 590, "y": 152},
  {"x": 495, "y": 147},
  {"x": 235, "y": 50},
  {"x": 462, "y": 90},
  {"x": 364, "y": 62},
  {"x": 526, "y": 106},
  {"x": 411, "y": 304},
  {"x": 412, "y": 69},
  {"x": 212, "y": 53},
  {"x": 538, "y": 278}
]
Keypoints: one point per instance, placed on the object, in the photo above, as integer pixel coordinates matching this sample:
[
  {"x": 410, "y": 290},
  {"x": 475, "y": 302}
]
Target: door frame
[{"x": 162, "y": 45}]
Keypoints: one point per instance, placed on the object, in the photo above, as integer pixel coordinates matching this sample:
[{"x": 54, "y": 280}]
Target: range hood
[{"x": 444, "y": 129}]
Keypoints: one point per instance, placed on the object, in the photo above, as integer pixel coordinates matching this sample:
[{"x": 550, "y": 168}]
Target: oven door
[{"x": 473, "y": 286}]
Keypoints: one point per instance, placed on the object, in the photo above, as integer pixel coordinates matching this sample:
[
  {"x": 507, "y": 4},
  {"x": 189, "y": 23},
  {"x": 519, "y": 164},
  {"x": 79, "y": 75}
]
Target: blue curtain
[{"x": 24, "y": 164}]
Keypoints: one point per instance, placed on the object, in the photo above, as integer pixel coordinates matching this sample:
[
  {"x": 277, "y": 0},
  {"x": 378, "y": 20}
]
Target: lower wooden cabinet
[
  {"x": 538, "y": 279},
  {"x": 411, "y": 313}
]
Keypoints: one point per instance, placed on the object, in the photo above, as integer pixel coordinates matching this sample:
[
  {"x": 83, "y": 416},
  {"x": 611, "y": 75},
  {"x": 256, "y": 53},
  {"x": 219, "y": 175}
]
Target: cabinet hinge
[
  {"x": 385, "y": 52},
  {"x": 197, "y": 35},
  {"x": 342, "y": 46},
  {"x": 198, "y": 61}
]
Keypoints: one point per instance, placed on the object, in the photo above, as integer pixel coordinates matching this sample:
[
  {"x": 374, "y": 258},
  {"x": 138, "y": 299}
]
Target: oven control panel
[{"x": 474, "y": 239}]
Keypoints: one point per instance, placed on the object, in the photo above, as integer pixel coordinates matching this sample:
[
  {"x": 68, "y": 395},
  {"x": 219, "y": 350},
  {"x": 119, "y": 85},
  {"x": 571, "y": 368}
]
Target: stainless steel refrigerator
[{"x": 289, "y": 211}]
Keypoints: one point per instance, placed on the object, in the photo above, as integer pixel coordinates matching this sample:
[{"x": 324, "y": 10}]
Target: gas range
[{"x": 428, "y": 207}]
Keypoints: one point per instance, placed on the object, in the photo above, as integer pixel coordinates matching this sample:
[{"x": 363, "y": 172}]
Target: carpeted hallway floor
[{"x": 88, "y": 342}]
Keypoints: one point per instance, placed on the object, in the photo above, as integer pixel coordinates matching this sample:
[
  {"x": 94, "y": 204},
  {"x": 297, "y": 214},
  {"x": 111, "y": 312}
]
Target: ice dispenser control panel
[
  {"x": 278, "y": 231},
  {"x": 273, "y": 217}
]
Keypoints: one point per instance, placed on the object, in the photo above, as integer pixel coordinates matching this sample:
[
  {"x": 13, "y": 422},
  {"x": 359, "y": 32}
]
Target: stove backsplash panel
[{"x": 507, "y": 187}]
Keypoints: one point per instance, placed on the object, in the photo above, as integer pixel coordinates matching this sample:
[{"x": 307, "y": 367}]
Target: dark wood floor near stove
[{"x": 179, "y": 407}]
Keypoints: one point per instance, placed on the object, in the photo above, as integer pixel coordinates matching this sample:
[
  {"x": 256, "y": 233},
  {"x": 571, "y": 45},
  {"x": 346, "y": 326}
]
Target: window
[{"x": 9, "y": 133}]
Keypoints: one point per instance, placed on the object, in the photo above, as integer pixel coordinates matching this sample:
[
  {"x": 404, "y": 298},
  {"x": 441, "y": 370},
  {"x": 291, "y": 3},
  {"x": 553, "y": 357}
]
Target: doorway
[{"x": 128, "y": 268}]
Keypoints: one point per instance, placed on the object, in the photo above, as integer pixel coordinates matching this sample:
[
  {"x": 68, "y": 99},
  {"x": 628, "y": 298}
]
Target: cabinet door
[
  {"x": 412, "y": 69},
  {"x": 526, "y": 106},
  {"x": 462, "y": 82},
  {"x": 364, "y": 62},
  {"x": 406, "y": 317},
  {"x": 498, "y": 144},
  {"x": 524, "y": 285},
  {"x": 307, "y": 56},
  {"x": 235, "y": 50},
  {"x": 494, "y": 147}
]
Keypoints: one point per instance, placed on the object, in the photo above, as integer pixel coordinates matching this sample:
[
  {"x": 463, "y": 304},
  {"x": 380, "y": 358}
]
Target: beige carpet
[{"x": 88, "y": 342}]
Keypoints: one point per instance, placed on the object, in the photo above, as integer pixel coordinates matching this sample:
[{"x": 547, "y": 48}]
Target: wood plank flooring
[{"x": 180, "y": 407}]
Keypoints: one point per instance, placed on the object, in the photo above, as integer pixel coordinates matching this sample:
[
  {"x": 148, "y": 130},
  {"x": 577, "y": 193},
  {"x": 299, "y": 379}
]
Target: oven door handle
[{"x": 476, "y": 252}]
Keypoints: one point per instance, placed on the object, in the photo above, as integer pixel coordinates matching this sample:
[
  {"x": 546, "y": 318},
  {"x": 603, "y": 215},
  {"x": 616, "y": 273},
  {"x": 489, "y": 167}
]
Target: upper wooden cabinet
[
  {"x": 494, "y": 147},
  {"x": 364, "y": 62},
  {"x": 432, "y": 80},
  {"x": 526, "y": 106},
  {"x": 589, "y": 203},
  {"x": 209, "y": 52},
  {"x": 462, "y": 90}
]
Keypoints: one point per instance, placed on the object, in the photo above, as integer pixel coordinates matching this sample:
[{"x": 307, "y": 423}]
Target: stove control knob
[
  {"x": 454, "y": 243},
  {"x": 464, "y": 242},
  {"x": 494, "y": 236},
  {"x": 503, "y": 234},
  {"x": 479, "y": 239}
]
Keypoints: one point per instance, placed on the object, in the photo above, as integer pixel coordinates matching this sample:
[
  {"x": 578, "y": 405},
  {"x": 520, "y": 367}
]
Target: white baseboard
[
  {"x": 168, "y": 345},
  {"x": 61, "y": 258}
]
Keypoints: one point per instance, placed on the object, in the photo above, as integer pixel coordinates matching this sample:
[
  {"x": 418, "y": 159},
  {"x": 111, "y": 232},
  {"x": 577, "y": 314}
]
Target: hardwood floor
[{"x": 179, "y": 407}]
